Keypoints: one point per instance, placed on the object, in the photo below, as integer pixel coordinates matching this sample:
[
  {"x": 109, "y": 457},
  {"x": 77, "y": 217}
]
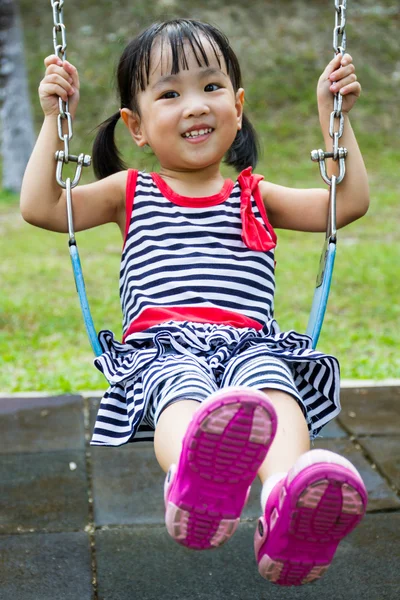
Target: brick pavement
[{"x": 82, "y": 523}]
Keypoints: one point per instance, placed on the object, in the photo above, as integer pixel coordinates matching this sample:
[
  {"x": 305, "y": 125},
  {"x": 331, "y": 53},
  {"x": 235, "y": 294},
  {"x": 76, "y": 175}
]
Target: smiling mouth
[{"x": 195, "y": 133}]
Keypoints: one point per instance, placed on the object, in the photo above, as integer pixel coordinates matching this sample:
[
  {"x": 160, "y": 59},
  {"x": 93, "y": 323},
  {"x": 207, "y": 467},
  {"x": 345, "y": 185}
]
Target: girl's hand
[
  {"x": 61, "y": 80},
  {"x": 339, "y": 76}
]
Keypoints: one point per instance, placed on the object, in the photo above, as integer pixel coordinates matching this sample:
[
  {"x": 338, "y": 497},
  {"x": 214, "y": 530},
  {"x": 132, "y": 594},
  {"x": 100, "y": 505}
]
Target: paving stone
[
  {"x": 146, "y": 563},
  {"x": 385, "y": 452},
  {"x": 53, "y": 566},
  {"x": 41, "y": 424},
  {"x": 371, "y": 411},
  {"x": 380, "y": 495},
  {"x": 40, "y": 492},
  {"x": 94, "y": 404},
  {"x": 332, "y": 431},
  {"x": 128, "y": 486}
]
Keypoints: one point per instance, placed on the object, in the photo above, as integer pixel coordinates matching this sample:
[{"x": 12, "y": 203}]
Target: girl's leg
[
  {"x": 217, "y": 448},
  {"x": 170, "y": 429},
  {"x": 308, "y": 512},
  {"x": 291, "y": 439}
]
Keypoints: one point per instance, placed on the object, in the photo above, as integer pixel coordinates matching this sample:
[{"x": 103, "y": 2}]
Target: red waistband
[{"x": 161, "y": 314}]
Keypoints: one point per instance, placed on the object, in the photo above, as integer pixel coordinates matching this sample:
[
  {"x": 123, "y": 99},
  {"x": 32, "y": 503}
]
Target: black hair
[{"x": 133, "y": 74}]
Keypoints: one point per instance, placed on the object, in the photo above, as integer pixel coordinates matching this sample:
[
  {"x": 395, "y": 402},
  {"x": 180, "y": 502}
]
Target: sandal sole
[
  {"x": 318, "y": 510},
  {"x": 224, "y": 447}
]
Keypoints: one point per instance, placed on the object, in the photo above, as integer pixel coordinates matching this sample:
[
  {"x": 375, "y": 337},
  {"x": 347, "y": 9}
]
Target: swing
[{"x": 339, "y": 154}]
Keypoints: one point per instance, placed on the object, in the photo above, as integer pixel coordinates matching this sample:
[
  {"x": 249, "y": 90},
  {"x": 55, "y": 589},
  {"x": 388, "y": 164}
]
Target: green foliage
[{"x": 43, "y": 345}]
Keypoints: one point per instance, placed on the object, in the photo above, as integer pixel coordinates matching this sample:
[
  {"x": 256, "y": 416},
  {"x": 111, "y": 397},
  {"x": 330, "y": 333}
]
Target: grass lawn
[{"x": 43, "y": 345}]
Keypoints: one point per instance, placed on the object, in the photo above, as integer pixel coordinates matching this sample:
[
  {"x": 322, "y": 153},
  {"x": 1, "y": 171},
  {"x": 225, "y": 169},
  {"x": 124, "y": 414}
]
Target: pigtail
[
  {"x": 245, "y": 148},
  {"x": 106, "y": 156}
]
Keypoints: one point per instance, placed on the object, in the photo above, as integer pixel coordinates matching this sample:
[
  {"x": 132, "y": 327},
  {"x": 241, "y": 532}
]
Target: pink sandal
[
  {"x": 223, "y": 448},
  {"x": 322, "y": 499}
]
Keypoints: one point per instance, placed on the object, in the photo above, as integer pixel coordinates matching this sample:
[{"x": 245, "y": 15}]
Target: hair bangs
[
  {"x": 181, "y": 37},
  {"x": 184, "y": 39}
]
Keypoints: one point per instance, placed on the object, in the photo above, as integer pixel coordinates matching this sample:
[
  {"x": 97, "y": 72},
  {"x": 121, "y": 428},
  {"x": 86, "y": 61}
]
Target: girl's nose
[{"x": 196, "y": 107}]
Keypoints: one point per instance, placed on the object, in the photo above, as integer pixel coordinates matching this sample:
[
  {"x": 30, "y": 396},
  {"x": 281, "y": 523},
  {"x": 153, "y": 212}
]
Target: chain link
[
  {"x": 340, "y": 26},
  {"x": 336, "y": 124},
  {"x": 339, "y": 45},
  {"x": 64, "y": 118}
]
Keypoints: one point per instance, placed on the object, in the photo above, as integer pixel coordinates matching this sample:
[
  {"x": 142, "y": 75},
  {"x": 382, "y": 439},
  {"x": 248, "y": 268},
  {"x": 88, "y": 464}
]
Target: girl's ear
[
  {"x": 132, "y": 122},
  {"x": 239, "y": 103}
]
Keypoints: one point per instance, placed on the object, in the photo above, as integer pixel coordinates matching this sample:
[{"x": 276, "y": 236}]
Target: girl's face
[{"x": 189, "y": 119}]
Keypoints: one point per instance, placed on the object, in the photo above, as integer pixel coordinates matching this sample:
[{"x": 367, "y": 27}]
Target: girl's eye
[
  {"x": 212, "y": 87},
  {"x": 168, "y": 95}
]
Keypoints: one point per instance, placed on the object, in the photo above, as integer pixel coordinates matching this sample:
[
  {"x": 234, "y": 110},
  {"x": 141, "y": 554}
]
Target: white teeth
[{"x": 196, "y": 132}]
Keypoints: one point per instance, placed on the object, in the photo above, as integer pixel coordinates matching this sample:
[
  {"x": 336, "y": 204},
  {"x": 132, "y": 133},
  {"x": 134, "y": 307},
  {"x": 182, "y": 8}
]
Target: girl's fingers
[
  {"x": 346, "y": 59},
  {"x": 352, "y": 88},
  {"x": 55, "y": 65},
  {"x": 56, "y": 90},
  {"x": 72, "y": 72},
  {"x": 52, "y": 60},
  {"x": 56, "y": 84},
  {"x": 338, "y": 61},
  {"x": 60, "y": 70},
  {"x": 342, "y": 72},
  {"x": 54, "y": 73},
  {"x": 343, "y": 77},
  {"x": 66, "y": 84},
  {"x": 331, "y": 67},
  {"x": 339, "y": 77},
  {"x": 340, "y": 85}
]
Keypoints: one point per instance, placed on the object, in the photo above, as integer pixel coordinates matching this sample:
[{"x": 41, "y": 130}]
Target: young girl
[{"x": 202, "y": 366}]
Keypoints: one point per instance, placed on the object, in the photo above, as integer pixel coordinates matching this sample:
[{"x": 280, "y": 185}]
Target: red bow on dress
[{"x": 254, "y": 235}]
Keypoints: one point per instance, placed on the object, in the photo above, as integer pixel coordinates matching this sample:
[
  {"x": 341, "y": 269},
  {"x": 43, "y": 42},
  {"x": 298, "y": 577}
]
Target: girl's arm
[
  {"x": 43, "y": 202},
  {"x": 307, "y": 209}
]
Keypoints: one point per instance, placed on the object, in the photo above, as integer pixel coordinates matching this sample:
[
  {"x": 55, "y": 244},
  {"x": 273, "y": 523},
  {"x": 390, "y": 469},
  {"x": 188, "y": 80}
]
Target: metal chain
[
  {"x": 63, "y": 156},
  {"x": 336, "y": 124}
]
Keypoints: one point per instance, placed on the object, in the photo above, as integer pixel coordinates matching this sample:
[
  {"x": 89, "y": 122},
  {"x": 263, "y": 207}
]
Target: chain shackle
[
  {"x": 336, "y": 125},
  {"x": 64, "y": 120}
]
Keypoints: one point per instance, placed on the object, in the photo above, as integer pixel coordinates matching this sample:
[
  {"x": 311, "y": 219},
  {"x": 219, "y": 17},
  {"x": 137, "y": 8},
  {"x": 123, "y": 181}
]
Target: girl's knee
[
  {"x": 283, "y": 399},
  {"x": 170, "y": 430}
]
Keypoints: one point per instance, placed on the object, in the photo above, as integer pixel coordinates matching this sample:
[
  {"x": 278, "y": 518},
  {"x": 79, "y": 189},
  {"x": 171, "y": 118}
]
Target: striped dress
[{"x": 197, "y": 293}]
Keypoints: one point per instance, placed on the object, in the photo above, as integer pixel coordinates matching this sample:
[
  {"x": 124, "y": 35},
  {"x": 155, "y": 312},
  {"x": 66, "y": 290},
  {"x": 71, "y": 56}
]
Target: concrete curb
[
  {"x": 369, "y": 383},
  {"x": 345, "y": 384}
]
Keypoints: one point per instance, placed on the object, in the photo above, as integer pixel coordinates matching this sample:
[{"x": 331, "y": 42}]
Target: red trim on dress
[
  {"x": 261, "y": 207},
  {"x": 254, "y": 235},
  {"x": 155, "y": 315},
  {"x": 188, "y": 200},
  {"x": 130, "y": 197}
]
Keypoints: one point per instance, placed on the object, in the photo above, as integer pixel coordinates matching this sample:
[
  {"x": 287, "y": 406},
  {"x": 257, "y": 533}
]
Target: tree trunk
[{"x": 17, "y": 132}]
